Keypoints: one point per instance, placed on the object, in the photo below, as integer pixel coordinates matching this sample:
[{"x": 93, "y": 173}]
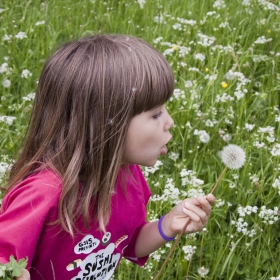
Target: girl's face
[{"x": 147, "y": 137}]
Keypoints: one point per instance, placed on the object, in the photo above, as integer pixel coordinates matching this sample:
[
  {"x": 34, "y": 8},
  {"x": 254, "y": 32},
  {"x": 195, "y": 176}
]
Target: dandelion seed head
[
  {"x": 233, "y": 156},
  {"x": 202, "y": 271}
]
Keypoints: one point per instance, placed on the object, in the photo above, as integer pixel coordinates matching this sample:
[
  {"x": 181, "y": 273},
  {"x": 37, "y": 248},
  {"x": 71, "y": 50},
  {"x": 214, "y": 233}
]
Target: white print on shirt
[
  {"x": 87, "y": 244},
  {"x": 100, "y": 265}
]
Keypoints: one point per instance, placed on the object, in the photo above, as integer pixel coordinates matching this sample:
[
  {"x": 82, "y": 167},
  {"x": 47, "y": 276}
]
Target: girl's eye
[{"x": 157, "y": 115}]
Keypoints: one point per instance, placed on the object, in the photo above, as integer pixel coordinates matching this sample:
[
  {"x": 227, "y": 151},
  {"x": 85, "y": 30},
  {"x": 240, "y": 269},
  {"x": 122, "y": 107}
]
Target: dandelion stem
[
  {"x": 219, "y": 179},
  {"x": 172, "y": 249}
]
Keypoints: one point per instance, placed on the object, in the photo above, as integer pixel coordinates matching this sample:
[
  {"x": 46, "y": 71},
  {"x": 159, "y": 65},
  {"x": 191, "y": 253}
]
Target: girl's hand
[
  {"x": 194, "y": 211},
  {"x": 25, "y": 275}
]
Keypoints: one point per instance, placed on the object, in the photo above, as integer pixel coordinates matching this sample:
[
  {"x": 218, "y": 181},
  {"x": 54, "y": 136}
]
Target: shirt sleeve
[
  {"x": 144, "y": 195},
  {"x": 24, "y": 212}
]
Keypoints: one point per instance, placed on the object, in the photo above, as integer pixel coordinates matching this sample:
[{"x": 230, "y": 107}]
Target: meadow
[{"x": 225, "y": 56}]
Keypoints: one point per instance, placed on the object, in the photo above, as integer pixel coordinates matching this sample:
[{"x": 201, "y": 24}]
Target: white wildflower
[
  {"x": 262, "y": 40},
  {"x": 7, "y": 37},
  {"x": 7, "y": 119},
  {"x": 189, "y": 251},
  {"x": 173, "y": 156},
  {"x": 204, "y": 137},
  {"x": 21, "y": 35},
  {"x": 233, "y": 156},
  {"x": 249, "y": 127},
  {"x": 26, "y": 73},
  {"x": 6, "y": 83},
  {"x": 199, "y": 56},
  {"x": 29, "y": 97},
  {"x": 39, "y": 23},
  {"x": 275, "y": 151},
  {"x": 158, "y": 19}
]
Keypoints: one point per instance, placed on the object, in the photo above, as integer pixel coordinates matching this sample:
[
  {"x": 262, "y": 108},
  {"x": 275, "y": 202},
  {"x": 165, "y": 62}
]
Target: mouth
[{"x": 164, "y": 149}]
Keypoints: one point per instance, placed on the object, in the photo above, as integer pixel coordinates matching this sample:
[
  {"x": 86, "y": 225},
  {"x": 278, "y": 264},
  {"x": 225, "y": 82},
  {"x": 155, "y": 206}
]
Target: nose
[{"x": 169, "y": 122}]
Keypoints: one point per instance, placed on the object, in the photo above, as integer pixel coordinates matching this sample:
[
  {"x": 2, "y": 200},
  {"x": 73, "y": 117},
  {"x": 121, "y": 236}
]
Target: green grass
[{"x": 252, "y": 98}]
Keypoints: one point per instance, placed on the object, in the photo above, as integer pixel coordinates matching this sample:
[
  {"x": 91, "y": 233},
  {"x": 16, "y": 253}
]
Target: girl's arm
[{"x": 194, "y": 211}]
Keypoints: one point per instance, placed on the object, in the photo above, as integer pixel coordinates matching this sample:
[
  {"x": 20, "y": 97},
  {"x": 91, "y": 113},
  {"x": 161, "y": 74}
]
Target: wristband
[{"x": 161, "y": 232}]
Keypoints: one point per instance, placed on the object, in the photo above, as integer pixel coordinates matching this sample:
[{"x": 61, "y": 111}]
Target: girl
[{"x": 76, "y": 197}]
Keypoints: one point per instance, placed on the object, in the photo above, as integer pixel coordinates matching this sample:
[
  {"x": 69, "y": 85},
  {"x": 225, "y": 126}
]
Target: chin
[{"x": 149, "y": 164}]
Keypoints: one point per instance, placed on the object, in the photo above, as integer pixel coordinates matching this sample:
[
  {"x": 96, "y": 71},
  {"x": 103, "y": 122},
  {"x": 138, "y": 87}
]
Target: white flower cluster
[
  {"x": 248, "y": 210},
  {"x": 29, "y": 97},
  {"x": 240, "y": 91},
  {"x": 153, "y": 169},
  {"x": 179, "y": 94},
  {"x": 21, "y": 35},
  {"x": 276, "y": 184},
  {"x": 275, "y": 278},
  {"x": 3, "y": 168},
  {"x": 204, "y": 137},
  {"x": 173, "y": 156},
  {"x": 6, "y": 71},
  {"x": 26, "y": 73},
  {"x": 205, "y": 40},
  {"x": 219, "y": 4},
  {"x": 219, "y": 203},
  {"x": 170, "y": 193},
  {"x": 159, "y": 19},
  {"x": 269, "y": 216},
  {"x": 249, "y": 127},
  {"x": 223, "y": 98},
  {"x": 189, "y": 178},
  {"x": 182, "y": 50},
  {"x": 199, "y": 56},
  {"x": 268, "y": 5},
  {"x": 241, "y": 226},
  {"x": 275, "y": 151},
  {"x": 262, "y": 40},
  {"x": 189, "y": 251},
  {"x": 7, "y": 119}
]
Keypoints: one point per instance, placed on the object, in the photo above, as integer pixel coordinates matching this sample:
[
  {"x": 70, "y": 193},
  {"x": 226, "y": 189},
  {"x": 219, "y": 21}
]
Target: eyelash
[{"x": 156, "y": 116}]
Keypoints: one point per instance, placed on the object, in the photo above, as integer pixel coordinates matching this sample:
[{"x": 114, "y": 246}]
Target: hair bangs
[{"x": 155, "y": 82}]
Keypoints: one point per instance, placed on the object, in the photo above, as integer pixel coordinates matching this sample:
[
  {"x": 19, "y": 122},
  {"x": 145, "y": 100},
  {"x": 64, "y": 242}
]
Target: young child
[{"x": 76, "y": 197}]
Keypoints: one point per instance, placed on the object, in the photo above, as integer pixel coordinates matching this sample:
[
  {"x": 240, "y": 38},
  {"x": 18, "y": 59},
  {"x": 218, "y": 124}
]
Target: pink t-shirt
[{"x": 25, "y": 230}]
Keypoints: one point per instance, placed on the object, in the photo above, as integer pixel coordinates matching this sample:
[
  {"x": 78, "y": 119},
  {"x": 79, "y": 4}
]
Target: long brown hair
[{"x": 87, "y": 94}]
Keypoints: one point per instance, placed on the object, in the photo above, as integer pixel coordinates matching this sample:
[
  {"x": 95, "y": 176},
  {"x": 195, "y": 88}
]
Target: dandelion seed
[
  {"x": 202, "y": 271},
  {"x": 233, "y": 156}
]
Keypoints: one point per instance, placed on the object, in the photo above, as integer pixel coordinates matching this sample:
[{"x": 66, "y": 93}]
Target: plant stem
[
  {"x": 183, "y": 230},
  {"x": 172, "y": 249},
  {"x": 219, "y": 179}
]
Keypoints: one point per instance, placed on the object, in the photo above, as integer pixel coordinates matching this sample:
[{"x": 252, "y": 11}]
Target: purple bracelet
[{"x": 161, "y": 232}]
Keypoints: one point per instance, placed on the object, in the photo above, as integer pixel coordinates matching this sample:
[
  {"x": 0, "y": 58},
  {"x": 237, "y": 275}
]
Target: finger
[
  {"x": 25, "y": 275},
  {"x": 211, "y": 198},
  {"x": 195, "y": 213},
  {"x": 204, "y": 204}
]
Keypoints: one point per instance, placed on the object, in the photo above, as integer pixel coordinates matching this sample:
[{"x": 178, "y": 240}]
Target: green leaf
[{"x": 15, "y": 267}]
